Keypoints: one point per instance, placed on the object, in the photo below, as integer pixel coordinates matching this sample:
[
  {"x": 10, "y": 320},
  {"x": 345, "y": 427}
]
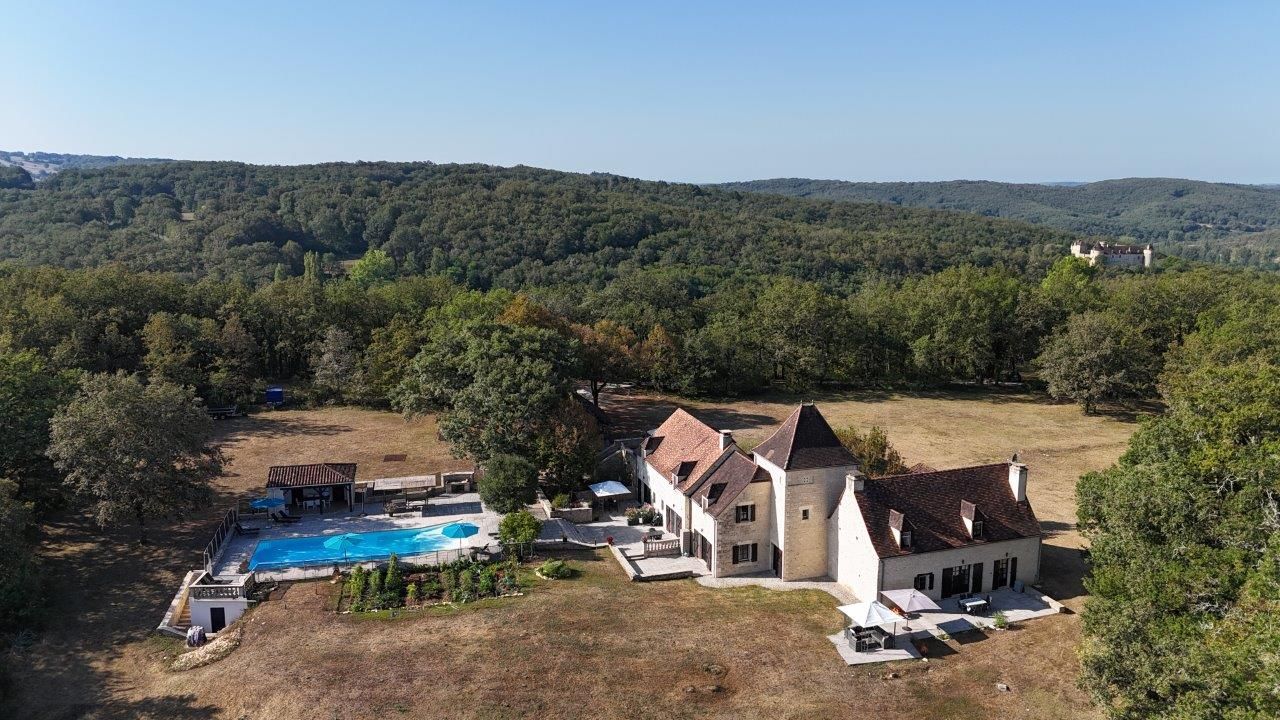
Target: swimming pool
[{"x": 310, "y": 550}]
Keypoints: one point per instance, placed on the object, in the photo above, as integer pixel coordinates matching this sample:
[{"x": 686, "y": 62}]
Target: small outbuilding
[
  {"x": 606, "y": 495},
  {"x": 322, "y": 486}
]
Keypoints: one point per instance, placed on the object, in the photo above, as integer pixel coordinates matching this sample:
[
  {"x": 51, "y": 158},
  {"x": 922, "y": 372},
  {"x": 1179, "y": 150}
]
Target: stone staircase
[{"x": 178, "y": 618}]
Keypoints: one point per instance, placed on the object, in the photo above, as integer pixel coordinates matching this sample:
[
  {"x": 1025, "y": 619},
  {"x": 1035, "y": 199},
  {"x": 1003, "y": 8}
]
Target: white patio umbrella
[
  {"x": 869, "y": 614},
  {"x": 910, "y": 600}
]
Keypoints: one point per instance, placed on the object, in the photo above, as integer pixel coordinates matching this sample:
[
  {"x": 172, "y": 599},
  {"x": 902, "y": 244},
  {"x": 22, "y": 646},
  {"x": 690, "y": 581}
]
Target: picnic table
[{"x": 975, "y": 605}]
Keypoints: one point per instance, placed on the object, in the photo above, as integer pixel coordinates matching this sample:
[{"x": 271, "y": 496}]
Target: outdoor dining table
[{"x": 974, "y": 606}]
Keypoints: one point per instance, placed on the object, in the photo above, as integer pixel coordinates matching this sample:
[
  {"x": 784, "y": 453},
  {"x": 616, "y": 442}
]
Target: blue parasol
[
  {"x": 343, "y": 542},
  {"x": 459, "y": 530},
  {"x": 266, "y": 503}
]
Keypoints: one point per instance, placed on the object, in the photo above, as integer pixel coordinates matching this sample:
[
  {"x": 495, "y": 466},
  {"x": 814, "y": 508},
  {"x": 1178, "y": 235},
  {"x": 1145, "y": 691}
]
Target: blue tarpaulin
[{"x": 608, "y": 489}]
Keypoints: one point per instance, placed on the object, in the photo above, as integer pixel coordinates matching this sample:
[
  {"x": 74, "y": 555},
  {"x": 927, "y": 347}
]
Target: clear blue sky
[{"x": 695, "y": 91}]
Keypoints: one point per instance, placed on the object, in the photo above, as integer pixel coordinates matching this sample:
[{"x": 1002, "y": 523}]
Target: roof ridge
[
  {"x": 938, "y": 472},
  {"x": 791, "y": 446},
  {"x": 727, "y": 453}
]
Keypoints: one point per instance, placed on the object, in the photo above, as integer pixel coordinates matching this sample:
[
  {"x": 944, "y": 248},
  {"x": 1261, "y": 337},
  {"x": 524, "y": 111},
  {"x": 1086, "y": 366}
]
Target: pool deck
[{"x": 441, "y": 509}]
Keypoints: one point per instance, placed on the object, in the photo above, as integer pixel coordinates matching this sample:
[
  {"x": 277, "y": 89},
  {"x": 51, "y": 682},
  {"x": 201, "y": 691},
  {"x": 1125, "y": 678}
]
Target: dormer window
[
  {"x": 973, "y": 520},
  {"x": 901, "y": 530}
]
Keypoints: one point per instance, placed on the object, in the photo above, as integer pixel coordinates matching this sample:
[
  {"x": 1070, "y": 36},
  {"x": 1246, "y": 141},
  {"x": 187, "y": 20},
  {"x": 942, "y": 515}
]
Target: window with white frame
[
  {"x": 924, "y": 581},
  {"x": 744, "y": 553},
  {"x": 744, "y": 513}
]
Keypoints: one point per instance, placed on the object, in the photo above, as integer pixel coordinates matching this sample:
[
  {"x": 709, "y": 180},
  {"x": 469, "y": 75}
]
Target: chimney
[
  {"x": 1018, "y": 479},
  {"x": 726, "y": 439},
  {"x": 855, "y": 482}
]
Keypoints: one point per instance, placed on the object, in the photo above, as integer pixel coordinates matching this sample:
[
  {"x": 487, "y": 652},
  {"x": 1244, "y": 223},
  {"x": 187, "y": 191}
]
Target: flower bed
[
  {"x": 394, "y": 585},
  {"x": 646, "y": 515}
]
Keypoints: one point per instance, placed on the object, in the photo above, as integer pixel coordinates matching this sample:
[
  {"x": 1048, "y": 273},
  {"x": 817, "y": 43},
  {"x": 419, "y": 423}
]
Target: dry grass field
[
  {"x": 596, "y": 646},
  {"x": 252, "y": 444}
]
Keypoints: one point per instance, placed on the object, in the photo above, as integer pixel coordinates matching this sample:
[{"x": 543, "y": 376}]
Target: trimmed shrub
[
  {"x": 356, "y": 586},
  {"x": 374, "y": 593},
  {"x": 394, "y": 580},
  {"x": 487, "y": 584},
  {"x": 466, "y": 586},
  {"x": 519, "y": 528},
  {"x": 558, "y": 569}
]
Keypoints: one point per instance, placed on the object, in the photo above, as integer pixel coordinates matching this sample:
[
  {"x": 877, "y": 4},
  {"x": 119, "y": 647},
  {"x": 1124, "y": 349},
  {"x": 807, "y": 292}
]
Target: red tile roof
[
  {"x": 932, "y": 506},
  {"x": 805, "y": 441},
  {"x": 685, "y": 444},
  {"x": 286, "y": 476},
  {"x": 727, "y": 480}
]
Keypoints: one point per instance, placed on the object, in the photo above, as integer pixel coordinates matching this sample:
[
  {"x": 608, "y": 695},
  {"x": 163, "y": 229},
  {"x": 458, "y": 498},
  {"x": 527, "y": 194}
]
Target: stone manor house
[{"x": 799, "y": 506}]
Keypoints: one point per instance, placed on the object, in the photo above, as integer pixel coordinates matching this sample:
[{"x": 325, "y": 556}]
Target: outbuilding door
[
  {"x": 217, "y": 619},
  {"x": 777, "y": 561}
]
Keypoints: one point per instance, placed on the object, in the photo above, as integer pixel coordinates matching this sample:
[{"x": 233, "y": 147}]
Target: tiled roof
[
  {"x": 726, "y": 482},
  {"x": 684, "y": 443},
  {"x": 310, "y": 475},
  {"x": 931, "y": 505},
  {"x": 805, "y": 441}
]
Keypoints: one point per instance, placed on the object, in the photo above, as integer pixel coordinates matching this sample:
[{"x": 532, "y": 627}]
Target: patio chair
[
  {"x": 285, "y": 517},
  {"x": 251, "y": 532}
]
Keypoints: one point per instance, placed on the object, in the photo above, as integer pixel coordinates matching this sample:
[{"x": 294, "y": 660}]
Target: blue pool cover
[{"x": 310, "y": 550}]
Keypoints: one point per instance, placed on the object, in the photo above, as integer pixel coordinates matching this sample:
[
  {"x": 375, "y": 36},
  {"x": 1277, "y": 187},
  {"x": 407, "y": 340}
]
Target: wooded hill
[
  {"x": 1185, "y": 216},
  {"x": 40, "y": 165},
  {"x": 483, "y": 225}
]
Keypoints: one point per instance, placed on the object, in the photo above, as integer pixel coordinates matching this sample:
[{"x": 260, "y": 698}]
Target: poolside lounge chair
[
  {"x": 247, "y": 530},
  {"x": 282, "y": 516}
]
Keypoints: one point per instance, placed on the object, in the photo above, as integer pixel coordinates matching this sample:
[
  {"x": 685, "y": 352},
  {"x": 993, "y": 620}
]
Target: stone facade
[
  {"x": 1102, "y": 252},
  {"x": 730, "y": 532},
  {"x": 803, "y": 540},
  {"x": 815, "y": 515}
]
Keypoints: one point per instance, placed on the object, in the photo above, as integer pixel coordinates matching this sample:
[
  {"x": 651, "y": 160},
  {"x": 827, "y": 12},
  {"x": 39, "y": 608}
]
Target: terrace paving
[
  {"x": 950, "y": 621},
  {"x": 768, "y": 580},
  {"x": 1017, "y": 607}
]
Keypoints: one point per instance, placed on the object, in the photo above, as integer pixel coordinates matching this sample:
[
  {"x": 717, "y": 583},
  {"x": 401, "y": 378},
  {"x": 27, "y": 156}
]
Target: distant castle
[{"x": 1101, "y": 252}]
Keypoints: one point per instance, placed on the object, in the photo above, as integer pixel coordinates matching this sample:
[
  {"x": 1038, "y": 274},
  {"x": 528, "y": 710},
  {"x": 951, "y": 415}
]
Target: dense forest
[
  {"x": 485, "y": 226},
  {"x": 145, "y": 294},
  {"x": 1198, "y": 220}
]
